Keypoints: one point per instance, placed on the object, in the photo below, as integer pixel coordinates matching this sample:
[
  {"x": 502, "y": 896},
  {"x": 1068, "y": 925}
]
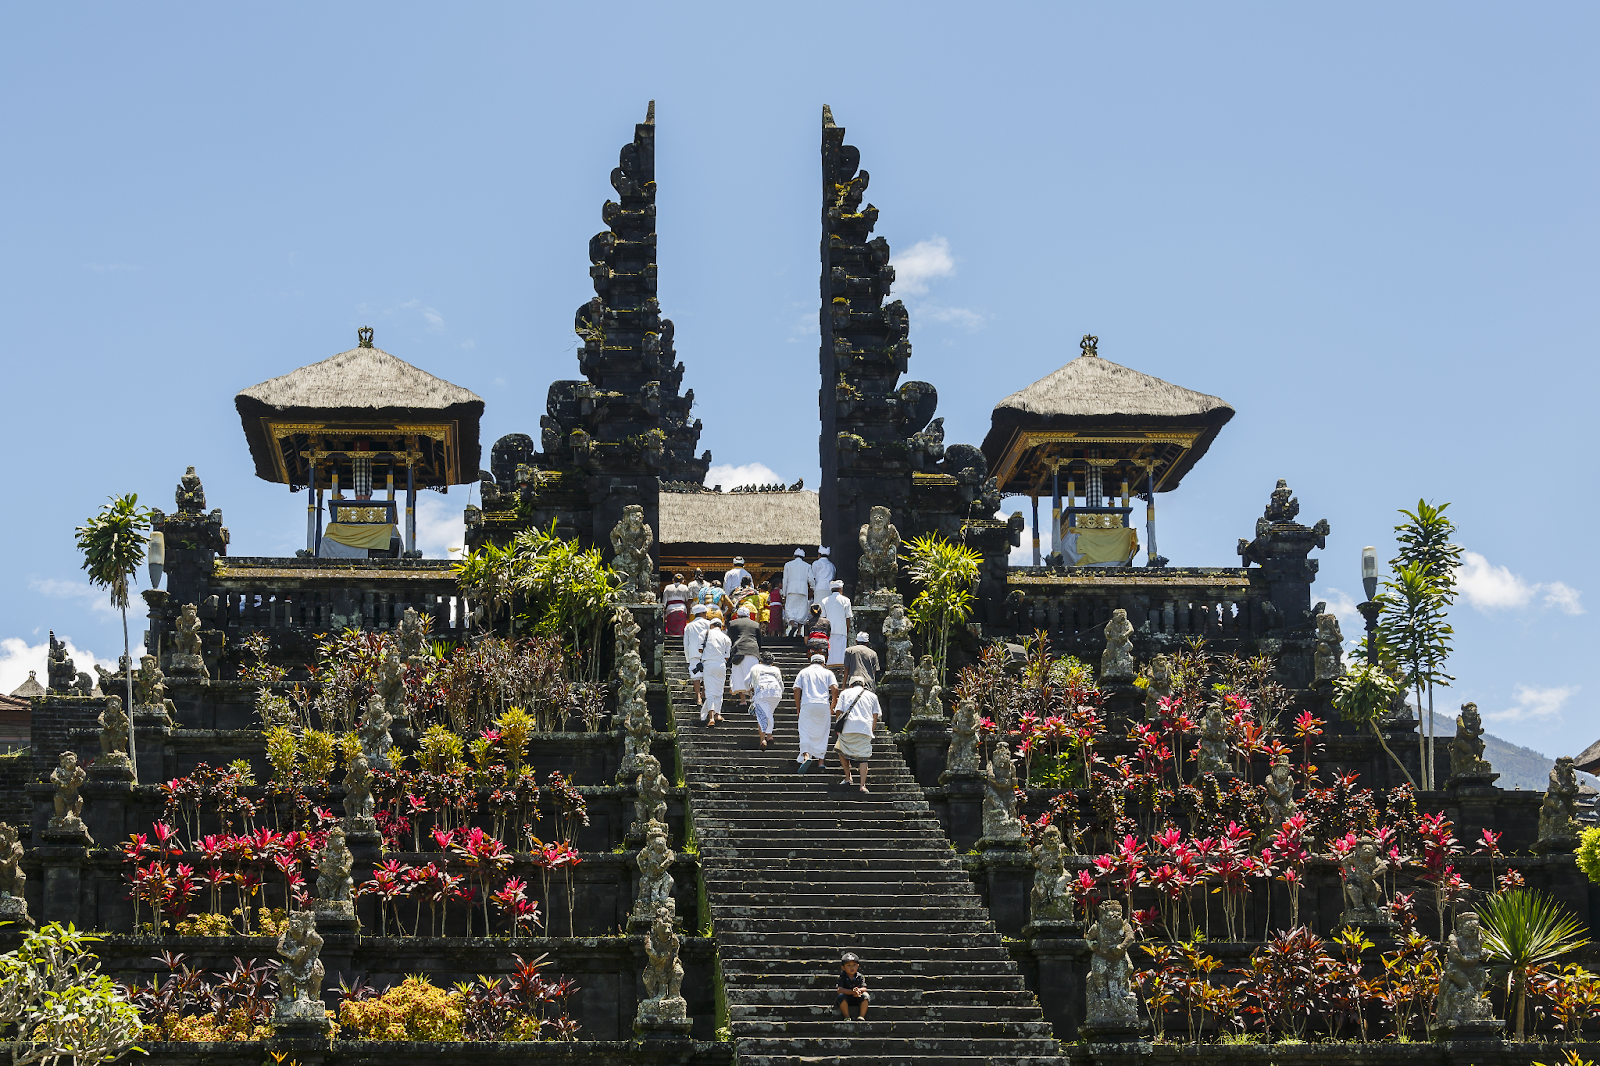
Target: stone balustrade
[
  {"x": 1165, "y": 605},
  {"x": 326, "y": 595}
]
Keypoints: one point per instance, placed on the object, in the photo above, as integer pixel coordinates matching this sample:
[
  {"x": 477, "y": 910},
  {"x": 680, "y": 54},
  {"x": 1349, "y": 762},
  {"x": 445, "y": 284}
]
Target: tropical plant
[
  {"x": 946, "y": 572},
  {"x": 112, "y": 543},
  {"x": 1589, "y": 853},
  {"x": 1525, "y": 930},
  {"x": 1362, "y": 695},
  {"x": 1415, "y": 603},
  {"x": 55, "y": 1002}
]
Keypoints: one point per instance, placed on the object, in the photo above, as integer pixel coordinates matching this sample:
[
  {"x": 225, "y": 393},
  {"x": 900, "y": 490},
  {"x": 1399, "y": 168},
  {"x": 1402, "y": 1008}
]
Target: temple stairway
[{"x": 799, "y": 869}]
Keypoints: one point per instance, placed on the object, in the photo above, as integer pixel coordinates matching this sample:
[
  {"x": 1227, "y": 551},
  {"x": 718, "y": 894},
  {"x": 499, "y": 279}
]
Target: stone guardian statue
[
  {"x": 114, "y": 728},
  {"x": 1466, "y": 747},
  {"x": 373, "y": 730},
  {"x": 1363, "y": 872},
  {"x": 632, "y": 681},
  {"x": 651, "y": 802},
  {"x": 1051, "y": 898},
  {"x": 879, "y": 566},
  {"x": 928, "y": 698},
  {"x": 655, "y": 872},
  {"x": 334, "y": 883},
  {"x": 300, "y": 973},
  {"x": 630, "y": 543},
  {"x": 664, "y": 1007},
  {"x": 1116, "y": 663},
  {"x": 68, "y": 777},
  {"x": 1109, "y": 1001},
  {"x": 1215, "y": 751},
  {"x": 1160, "y": 688},
  {"x": 1329, "y": 661},
  {"x": 13, "y": 878},
  {"x": 1278, "y": 803},
  {"x": 963, "y": 756},
  {"x": 1558, "y": 826},
  {"x": 1000, "y": 797},
  {"x": 1463, "y": 1001},
  {"x": 897, "y": 635}
]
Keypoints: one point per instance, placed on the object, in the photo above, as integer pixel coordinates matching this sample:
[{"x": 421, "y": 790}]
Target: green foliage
[
  {"x": 515, "y": 726},
  {"x": 112, "y": 543},
  {"x": 1362, "y": 695},
  {"x": 1424, "y": 541},
  {"x": 946, "y": 573},
  {"x": 1589, "y": 854},
  {"x": 1525, "y": 929},
  {"x": 441, "y": 749},
  {"x": 55, "y": 1003}
]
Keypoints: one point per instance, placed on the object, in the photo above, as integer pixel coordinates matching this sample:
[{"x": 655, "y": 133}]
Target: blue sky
[{"x": 1371, "y": 228}]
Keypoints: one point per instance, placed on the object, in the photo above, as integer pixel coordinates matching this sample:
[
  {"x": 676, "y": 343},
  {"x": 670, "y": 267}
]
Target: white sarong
[
  {"x": 740, "y": 682},
  {"x": 715, "y": 676},
  {"x": 763, "y": 707},
  {"x": 815, "y": 718},
  {"x": 837, "y": 642}
]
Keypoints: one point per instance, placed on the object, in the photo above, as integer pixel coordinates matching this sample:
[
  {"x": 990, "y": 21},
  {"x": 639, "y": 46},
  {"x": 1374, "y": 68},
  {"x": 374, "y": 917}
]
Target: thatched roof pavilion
[
  {"x": 318, "y": 415},
  {"x": 1100, "y": 427},
  {"x": 349, "y": 419},
  {"x": 705, "y": 530}
]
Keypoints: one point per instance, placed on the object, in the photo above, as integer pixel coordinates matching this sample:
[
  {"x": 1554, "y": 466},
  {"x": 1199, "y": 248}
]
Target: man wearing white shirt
[
  {"x": 737, "y": 576},
  {"x": 714, "y": 672},
  {"x": 822, "y": 575},
  {"x": 815, "y": 689},
  {"x": 694, "y": 636},
  {"x": 858, "y": 717},
  {"x": 836, "y": 608},
  {"x": 796, "y": 592}
]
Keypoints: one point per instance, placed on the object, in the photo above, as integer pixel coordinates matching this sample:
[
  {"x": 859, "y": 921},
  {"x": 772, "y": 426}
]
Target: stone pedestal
[
  {"x": 964, "y": 800},
  {"x": 1137, "y": 1035},
  {"x": 1061, "y": 962},
  {"x": 152, "y": 733},
  {"x": 663, "y": 1028},
  {"x": 1483, "y": 1029},
  {"x": 306, "y": 1040},
  {"x": 1557, "y": 845},
  {"x": 14, "y": 909},
  {"x": 62, "y": 858},
  {"x": 895, "y": 695},
  {"x": 339, "y": 940},
  {"x": 930, "y": 744},
  {"x": 182, "y": 664},
  {"x": 1008, "y": 878},
  {"x": 1474, "y": 796},
  {"x": 107, "y": 796},
  {"x": 1124, "y": 701}
]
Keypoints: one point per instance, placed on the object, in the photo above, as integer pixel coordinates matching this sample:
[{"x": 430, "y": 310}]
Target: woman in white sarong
[
  {"x": 796, "y": 591},
  {"x": 815, "y": 690},
  {"x": 837, "y": 608},
  {"x": 714, "y": 671},
  {"x": 768, "y": 683}
]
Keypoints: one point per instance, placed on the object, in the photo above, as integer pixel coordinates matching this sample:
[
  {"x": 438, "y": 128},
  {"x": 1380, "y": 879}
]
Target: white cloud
[
  {"x": 920, "y": 264},
  {"x": 1343, "y": 607},
  {"x": 434, "y": 319},
  {"x": 97, "y": 600},
  {"x": 17, "y": 657},
  {"x": 730, "y": 476},
  {"x": 1491, "y": 588},
  {"x": 958, "y": 316},
  {"x": 1534, "y": 704},
  {"x": 1562, "y": 597},
  {"x": 441, "y": 530}
]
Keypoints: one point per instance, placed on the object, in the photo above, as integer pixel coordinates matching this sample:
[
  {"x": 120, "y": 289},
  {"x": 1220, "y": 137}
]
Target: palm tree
[
  {"x": 1525, "y": 929},
  {"x": 113, "y": 543}
]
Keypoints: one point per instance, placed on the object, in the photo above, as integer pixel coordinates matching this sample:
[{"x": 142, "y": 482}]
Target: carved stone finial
[
  {"x": 1283, "y": 506},
  {"x": 59, "y": 668},
  {"x": 650, "y": 114},
  {"x": 364, "y": 337},
  {"x": 190, "y": 494},
  {"x": 1090, "y": 345}
]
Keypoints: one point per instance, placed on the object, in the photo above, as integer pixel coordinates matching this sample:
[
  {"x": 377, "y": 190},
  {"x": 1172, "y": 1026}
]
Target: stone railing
[
  {"x": 326, "y": 595},
  {"x": 1168, "y": 604}
]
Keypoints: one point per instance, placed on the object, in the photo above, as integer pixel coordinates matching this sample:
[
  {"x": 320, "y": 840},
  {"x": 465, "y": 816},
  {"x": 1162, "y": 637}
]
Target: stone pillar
[
  {"x": 964, "y": 799},
  {"x": 62, "y": 863},
  {"x": 1474, "y": 796},
  {"x": 895, "y": 695},
  {"x": 930, "y": 746},
  {"x": 1008, "y": 878},
  {"x": 107, "y": 796},
  {"x": 1061, "y": 956}
]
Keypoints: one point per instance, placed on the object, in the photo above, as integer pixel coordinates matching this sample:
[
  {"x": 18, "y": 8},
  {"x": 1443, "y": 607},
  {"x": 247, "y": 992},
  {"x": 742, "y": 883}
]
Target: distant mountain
[{"x": 1517, "y": 766}]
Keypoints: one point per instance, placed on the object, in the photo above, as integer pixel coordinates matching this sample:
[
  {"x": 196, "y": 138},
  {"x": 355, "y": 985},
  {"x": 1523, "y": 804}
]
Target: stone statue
[
  {"x": 63, "y": 676},
  {"x": 879, "y": 566},
  {"x": 1279, "y": 803},
  {"x": 68, "y": 777},
  {"x": 1160, "y": 688},
  {"x": 300, "y": 973},
  {"x": 1000, "y": 797},
  {"x": 963, "y": 754},
  {"x": 113, "y": 734},
  {"x": 1558, "y": 827},
  {"x": 655, "y": 871},
  {"x": 1109, "y": 1001},
  {"x": 149, "y": 684},
  {"x": 1214, "y": 748},
  {"x": 651, "y": 803},
  {"x": 358, "y": 797},
  {"x": 1363, "y": 884},
  {"x": 391, "y": 685},
  {"x": 1116, "y": 663},
  {"x": 190, "y": 495},
  {"x": 1462, "y": 997},
  {"x": 1329, "y": 661},
  {"x": 1051, "y": 899},
  {"x": 928, "y": 697},
  {"x": 630, "y": 542},
  {"x": 374, "y": 733},
  {"x": 13, "y": 879},
  {"x": 1466, "y": 747},
  {"x": 663, "y": 975},
  {"x": 84, "y": 686},
  {"x": 186, "y": 654},
  {"x": 632, "y": 683},
  {"x": 334, "y": 884},
  {"x": 897, "y": 634},
  {"x": 411, "y": 636}
]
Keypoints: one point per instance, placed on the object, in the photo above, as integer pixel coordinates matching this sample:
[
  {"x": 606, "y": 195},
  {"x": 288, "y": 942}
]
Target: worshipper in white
[
  {"x": 837, "y": 610},
  {"x": 694, "y": 643},
  {"x": 714, "y": 672},
  {"x": 745, "y": 633},
  {"x": 858, "y": 717},
  {"x": 822, "y": 575},
  {"x": 861, "y": 661},
  {"x": 696, "y": 585},
  {"x": 815, "y": 689},
  {"x": 675, "y": 597},
  {"x": 767, "y": 681},
  {"x": 796, "y": 592},
  {"x": 737, "y": 576}
]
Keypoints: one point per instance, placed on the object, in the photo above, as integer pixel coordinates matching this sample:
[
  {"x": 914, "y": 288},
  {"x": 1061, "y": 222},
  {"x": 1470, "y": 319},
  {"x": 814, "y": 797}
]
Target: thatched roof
[
  {"x": 362, "y": 386},
  {"x": 789, "y": 519},
  {"x": 1092, "y": 394},
  {"x": 1589, "y": 761},
  {"x": 30, "y": 687}
]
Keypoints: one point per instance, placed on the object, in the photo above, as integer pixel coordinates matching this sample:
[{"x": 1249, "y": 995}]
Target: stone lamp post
[
  {"x": 156, "y": 556},
  {"x": 1370, "y": 609}
]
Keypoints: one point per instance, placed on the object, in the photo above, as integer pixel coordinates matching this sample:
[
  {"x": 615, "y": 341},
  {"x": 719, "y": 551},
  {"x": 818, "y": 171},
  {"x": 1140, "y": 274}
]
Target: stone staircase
[{"x": 799, "y": 869}]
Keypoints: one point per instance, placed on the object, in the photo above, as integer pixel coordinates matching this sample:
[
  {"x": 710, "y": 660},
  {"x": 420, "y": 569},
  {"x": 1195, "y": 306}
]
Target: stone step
[
  {"x": 895, "y": 850},
  {"x": 863, "y": 922},
  {"x": 910, "y": 1058},
  {"x": 778, "y": 998},
  {"x": 897, "y": 944},
  {"x": 807, "y": 961},
  {"x": 876, "y": 1029},
  {"x": 930, "y": 1048},
  {"x": 854, "y": 910},
  {"x": 816, "y": 1011}
]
